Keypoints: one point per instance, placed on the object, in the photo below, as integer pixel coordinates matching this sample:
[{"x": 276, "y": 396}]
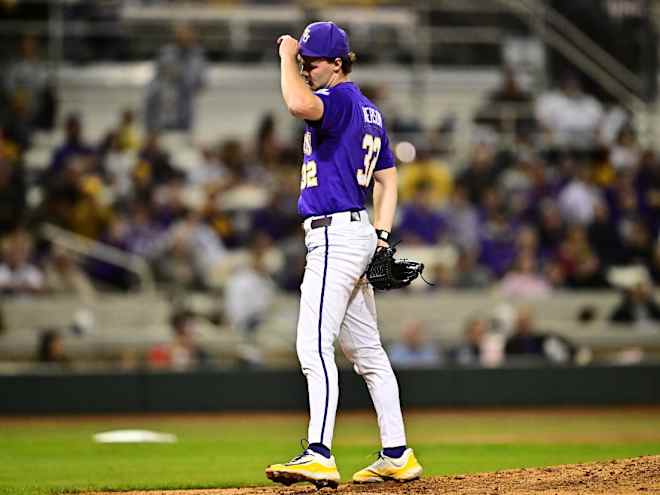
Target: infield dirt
[{"x": 640, "y": 475}]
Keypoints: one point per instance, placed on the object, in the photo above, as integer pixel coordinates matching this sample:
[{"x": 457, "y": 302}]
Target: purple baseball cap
[{"x": 323, "y": 40}]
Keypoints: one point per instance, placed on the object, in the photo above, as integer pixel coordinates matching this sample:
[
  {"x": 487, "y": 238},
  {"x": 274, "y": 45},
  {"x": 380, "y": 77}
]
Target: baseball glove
[{"x": 386, "y": 272}]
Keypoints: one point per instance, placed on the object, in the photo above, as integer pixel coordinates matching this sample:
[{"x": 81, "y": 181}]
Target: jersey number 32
[{"x": 371, "y": 145}]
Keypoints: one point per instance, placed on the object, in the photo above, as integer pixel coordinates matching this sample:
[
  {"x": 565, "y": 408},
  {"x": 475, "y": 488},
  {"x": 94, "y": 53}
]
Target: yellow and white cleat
[
  {"x": 405, "y": 468},
  {"x": 308, "y": 466}
]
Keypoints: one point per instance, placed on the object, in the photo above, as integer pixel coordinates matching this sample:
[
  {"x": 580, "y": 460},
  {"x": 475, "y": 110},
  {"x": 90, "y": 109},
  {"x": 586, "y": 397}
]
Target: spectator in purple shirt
[
  {"x": 420, "y": 223},
  {"x": 497, "y": 235},
  {"x": 73, "y": 146},
  {"x": 462, "y": 220},
  {"x": 143, "y": 236},
  {"x": 498, "y": 248}
]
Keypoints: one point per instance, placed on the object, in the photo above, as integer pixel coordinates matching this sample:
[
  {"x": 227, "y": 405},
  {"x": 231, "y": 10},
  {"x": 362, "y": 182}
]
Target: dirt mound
[{"x": 640, "y": 475}]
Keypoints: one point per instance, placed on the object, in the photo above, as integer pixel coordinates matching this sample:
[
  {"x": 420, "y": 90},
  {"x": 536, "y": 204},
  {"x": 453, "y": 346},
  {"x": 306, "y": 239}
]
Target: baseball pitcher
[{"x": 345, "y": 147}]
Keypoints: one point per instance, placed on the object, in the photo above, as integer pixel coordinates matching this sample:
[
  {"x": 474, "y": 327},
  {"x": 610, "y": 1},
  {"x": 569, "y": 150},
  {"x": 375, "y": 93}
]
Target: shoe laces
[
  {"x": 304, "y": 444},
  {"x": 383, "y": 458},
  {"x": 378, "y": 455}
]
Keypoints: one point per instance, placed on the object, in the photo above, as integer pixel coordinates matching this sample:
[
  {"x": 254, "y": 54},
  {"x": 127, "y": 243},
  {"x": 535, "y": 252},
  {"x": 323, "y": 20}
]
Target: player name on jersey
[{"x": 372, "y": 116}]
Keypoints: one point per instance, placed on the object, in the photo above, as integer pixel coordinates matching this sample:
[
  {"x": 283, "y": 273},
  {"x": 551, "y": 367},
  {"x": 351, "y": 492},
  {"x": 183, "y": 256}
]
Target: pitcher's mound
[{"x": 640, "y": 475}]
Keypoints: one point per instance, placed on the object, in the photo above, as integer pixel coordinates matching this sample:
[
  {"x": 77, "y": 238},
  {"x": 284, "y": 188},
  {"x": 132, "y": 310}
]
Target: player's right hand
[{"x": 288, "y": 46}]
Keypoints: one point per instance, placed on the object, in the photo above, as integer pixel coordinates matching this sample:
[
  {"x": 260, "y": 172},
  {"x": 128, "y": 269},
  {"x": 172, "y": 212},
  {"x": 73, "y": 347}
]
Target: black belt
[
  {"x": 321, "y": 222},
  {"x": 327, "y": 221}
]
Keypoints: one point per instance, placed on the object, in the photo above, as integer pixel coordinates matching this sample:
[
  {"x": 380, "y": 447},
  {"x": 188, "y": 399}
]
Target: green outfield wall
[{"x": 286, "y": 390}]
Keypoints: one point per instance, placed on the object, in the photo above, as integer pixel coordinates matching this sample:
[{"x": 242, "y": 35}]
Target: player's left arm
[
  {"x": 299, "y": 98},
  {"x": 385, "y": 199}
]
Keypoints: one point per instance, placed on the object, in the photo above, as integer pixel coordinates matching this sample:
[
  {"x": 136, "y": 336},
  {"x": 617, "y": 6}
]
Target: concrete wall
[{"x": 286, "y": 390}]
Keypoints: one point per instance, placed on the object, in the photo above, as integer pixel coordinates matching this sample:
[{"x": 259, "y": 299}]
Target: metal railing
[
  {"x": 564, "y": 36},
  {"x": 89, "y": 247}
]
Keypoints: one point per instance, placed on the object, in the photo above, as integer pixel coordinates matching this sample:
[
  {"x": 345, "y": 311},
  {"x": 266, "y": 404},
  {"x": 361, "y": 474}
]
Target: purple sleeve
[
  {"x": 335, "y": 110},
  {"x": 386, "y": 158}
]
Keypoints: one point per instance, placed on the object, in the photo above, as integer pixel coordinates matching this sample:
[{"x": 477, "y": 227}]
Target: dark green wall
[{"x": 286, "y": 390}]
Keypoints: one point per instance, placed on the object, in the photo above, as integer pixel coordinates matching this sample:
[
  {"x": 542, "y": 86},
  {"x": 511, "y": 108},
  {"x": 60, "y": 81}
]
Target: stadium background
[
  {"x": 534, "y": 206},
  {"x": 506, "y": 195},
  {"x": 191, "y": 215}
]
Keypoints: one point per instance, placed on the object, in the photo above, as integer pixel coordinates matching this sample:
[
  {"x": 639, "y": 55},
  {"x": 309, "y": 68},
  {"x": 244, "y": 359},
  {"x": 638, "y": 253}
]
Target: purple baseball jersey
[{"x": 341, "y": 152}]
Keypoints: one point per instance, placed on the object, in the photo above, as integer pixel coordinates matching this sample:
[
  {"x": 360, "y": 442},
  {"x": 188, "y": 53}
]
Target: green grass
[{"x": 50, "y": 456}]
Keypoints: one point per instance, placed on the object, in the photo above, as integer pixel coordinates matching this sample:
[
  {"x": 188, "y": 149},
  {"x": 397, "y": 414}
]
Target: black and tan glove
[{"x": 385, "y": 272}]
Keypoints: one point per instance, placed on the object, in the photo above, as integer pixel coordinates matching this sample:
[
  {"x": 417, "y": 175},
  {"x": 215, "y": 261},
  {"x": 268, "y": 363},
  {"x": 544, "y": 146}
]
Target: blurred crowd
[
  {"x": 555, "y": 192},
  {"x": 127, "y": 193},
  {"x": 487, "y": 341}
]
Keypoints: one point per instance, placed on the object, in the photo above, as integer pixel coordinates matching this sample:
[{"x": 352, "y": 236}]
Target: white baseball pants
[{"x": 336, "y": 303}]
